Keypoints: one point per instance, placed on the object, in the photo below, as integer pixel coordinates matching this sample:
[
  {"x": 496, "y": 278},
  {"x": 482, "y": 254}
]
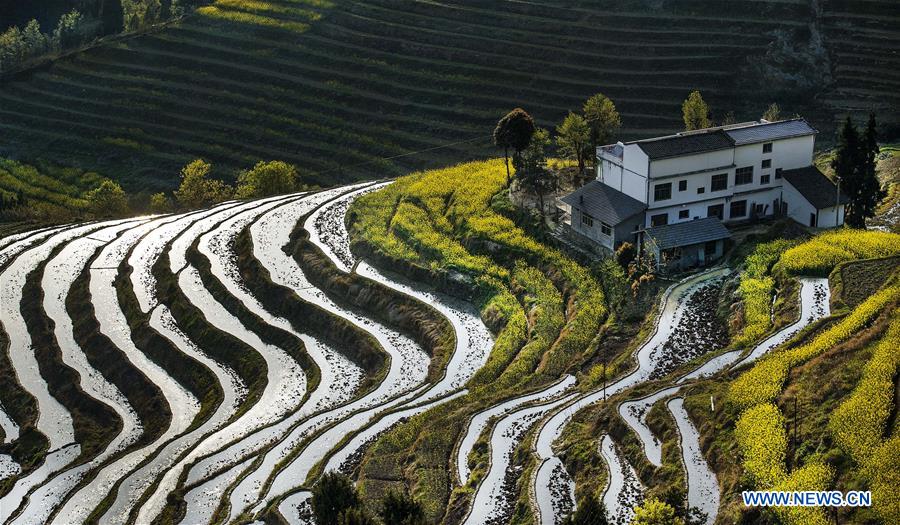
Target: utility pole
[
  {"x": 604, "y": 380},
  {"x": 837, "y": 203}
]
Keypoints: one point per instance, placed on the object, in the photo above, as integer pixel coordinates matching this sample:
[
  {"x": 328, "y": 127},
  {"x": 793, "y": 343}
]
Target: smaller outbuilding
[
  {"x": 605, "y": 215},
  {"x": 686, "y": 244},
  {"x": 811, "y": 199}
]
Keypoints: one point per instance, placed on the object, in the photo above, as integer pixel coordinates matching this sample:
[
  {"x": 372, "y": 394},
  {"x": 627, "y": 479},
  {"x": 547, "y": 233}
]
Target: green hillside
[{"x": 335, "y": 87}]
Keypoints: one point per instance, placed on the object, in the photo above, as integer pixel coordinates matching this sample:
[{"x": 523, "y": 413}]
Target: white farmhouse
[{"x": 673, "y": 193}]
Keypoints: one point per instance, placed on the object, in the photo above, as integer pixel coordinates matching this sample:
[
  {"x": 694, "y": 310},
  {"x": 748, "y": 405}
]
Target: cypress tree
[
  {"x": 112, "y": 16},
  {"x": 854, "y": 163}
]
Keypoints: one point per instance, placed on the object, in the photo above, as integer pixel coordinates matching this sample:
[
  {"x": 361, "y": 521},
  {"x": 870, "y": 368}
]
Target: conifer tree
[{"x": 695, "y": 112}]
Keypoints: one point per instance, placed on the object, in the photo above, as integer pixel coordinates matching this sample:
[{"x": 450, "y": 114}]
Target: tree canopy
[
  {"x": 695, "y": 112},
  {"x": 772, "y": 113},
  {"x": 331, "y": 496},
  {"x": 573, "y": 137},
  {"x": 197, "y": 190},
  {"x": 267, "y": 178},
  {"x": 602, "y": 118},
  {"x": 107, "y": 200},
  {"x": 160, "y": 203},
  {"x": 513, "y": 131},
  {"x": 854, "y": 165}
]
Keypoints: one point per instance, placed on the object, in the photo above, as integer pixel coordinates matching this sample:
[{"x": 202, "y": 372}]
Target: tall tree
[
  {"x": 589, "y": 512},
  {"x": 331, "y": 496},
  {"x": 70, "y": 31},
  {"x": 35, "y": 41},
  {"x": 772, "y": 113},
  {"x": 573, "y": 136},
  {"x": 513, "y": 131},
  {"x": 603, "y": 120},
  {"x": 695, "y": 112},
  {"x": 854, "y": 164},
  {"x": 112, "y": 16},
  {"x": 531, "y": 167}
]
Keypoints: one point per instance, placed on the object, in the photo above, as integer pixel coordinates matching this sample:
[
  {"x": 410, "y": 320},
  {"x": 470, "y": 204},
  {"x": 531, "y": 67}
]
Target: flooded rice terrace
[{"x": 189, "y": 285}]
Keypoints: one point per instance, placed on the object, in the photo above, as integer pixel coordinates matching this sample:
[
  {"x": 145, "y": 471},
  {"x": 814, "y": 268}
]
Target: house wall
[
  {"x": 827, "y": 216},
  {"x": 624, "y": 231},
  {"x": 592, "y": 232},
  {"x": 786, "y": 154},
  {"x": 798, "y": 208},
  {"x": 628, "y": 175},
  {"x": 699, "y": 209},
  {"x": 688, "y": 163}
]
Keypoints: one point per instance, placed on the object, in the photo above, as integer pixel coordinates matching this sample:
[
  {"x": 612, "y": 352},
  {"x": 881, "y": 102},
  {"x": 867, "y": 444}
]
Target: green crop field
[{"x": 338, "y": 87}]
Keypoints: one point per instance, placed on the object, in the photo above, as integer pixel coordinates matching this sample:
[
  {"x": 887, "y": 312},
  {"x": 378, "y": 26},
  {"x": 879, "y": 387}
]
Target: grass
[{"x": 383, "y": 78}]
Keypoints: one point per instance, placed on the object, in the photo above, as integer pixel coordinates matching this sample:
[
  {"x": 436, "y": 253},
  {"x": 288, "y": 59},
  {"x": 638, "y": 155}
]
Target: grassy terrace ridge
[
  {"x": 329, "y": 85},
  {"x": 443, "y": 227}
]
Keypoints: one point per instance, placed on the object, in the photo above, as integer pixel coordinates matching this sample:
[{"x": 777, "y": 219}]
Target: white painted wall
[
  {"x": 798, "y": 208},
  {"x": 688, "y": 163},
  {"x": 628, "y": 175},
  {"x": 827, "y": 216}
]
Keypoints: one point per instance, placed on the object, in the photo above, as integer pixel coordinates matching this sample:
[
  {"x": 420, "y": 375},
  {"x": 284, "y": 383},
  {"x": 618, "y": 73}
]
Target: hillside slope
[{"x": 336, "y": 86}]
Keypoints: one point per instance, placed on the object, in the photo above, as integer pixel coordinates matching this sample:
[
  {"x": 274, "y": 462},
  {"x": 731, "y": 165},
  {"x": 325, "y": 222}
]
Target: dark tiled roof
[
  {"x": 604, "y": 202},
  {"x": 687, "y": 233},
  {"x": 687, "y": 144},
  {"x": 814, "y": 186},
  {"x": 770, "y": 131}
]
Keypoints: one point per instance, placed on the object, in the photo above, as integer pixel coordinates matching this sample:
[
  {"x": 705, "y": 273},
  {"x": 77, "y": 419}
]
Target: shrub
[
  {"x": 399, "y": 508},
  {"x": 655, "y": 512},
  {"x": 333, "y": 494}
]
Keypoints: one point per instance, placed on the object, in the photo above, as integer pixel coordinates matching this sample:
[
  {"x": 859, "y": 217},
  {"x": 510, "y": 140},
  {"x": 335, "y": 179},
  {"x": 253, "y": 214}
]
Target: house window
[
  {"x": 766, "y": 163},
  {"x": 743, "y": 175},
  {"x": 767, "y": 147},
  {"x": 759, "y": 209},
  {"x": 701, "y": 190},
  {"x": 682, "y": 185},
  {"x": 719, "y": 182},
  {"x": 764, "y": 179},
  {"x": 606, "y": 229},
  {"x": 659, "y": 220},
  {"x": 738, "y": 209},
  {"x": 709, "y": 249},
  {"x": 684, "y": 214},
  {"x": 662, "y": 192},
  {"x": 587, "y": 220},
  {"x": 812, "y": 220},
  {"x": 716, "y": 210},
  {"x": 777, "y": 173}
]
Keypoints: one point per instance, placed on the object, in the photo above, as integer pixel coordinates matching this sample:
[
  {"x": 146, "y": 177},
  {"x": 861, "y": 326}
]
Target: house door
[{"x": 812, "y": 220}]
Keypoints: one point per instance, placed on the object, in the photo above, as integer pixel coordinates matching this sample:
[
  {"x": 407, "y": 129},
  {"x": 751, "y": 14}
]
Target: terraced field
[
  {"x": 346, "y": 90},
  {"x": 210, "y": 366}
]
